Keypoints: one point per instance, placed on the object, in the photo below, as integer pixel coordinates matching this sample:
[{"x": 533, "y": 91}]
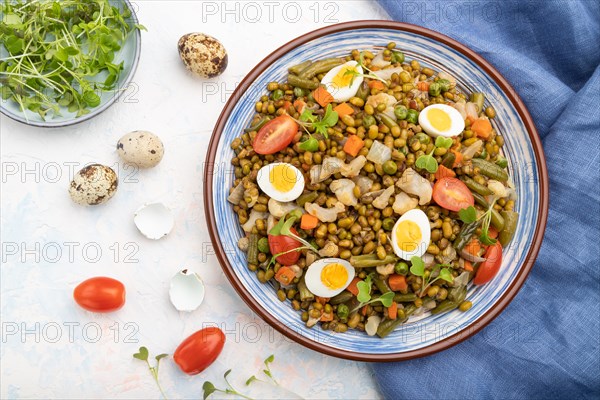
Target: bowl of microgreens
[{"x": 65, "y": 62}]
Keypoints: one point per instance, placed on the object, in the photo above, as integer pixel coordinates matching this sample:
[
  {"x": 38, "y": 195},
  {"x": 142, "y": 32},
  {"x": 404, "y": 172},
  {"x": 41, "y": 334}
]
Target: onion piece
[
  {"x": 379, "y": 153},
  {"x": 470, "y": 257},
  {"x": 387, "y": 73},
  {"x": 237, "y": 194},
  {"x": 379, "y": 62},
  {"x": 470, "y": 151},
  {"x": 471, "y": 109}
]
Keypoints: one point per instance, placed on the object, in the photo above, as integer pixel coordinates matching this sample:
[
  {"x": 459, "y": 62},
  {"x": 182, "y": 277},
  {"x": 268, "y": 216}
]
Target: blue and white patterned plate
[{"x": 425, "y": 334}]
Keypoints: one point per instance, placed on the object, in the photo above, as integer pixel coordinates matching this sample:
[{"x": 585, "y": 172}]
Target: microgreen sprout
[
  {"x": 308, "y": 119},
  {"x": 364, "y": 294},
  {"x": 469, "y": 215},
  {"x": 428, "y": 161},
  {"x": 370, "y": 74},
  {"x": 143, "y": 355},
  {"x": 283, "y": 227},
  {"x": 418, "y": 269},
  {"x": 209, "y": 388}
]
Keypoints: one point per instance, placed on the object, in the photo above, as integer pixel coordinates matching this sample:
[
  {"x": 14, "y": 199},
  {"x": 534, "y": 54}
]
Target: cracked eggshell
[
  {"x": 94, "y": 184},
  {"x": 186, "y": 291},
  {"x": 154, "y": 220},
  {"x": 141, "y": 148},
  {"x": 202, "y": 54}
]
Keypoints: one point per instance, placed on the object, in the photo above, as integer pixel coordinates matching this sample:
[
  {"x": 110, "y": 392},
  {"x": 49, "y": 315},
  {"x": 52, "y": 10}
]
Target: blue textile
[{"x": 546, "y": 342}]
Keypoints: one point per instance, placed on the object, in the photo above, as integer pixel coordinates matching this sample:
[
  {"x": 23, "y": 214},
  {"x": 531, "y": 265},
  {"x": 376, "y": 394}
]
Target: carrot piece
[
  {"x": 326, "y": 317},
  {"x": 375, "y": 84},
  {"x": 482, "y": 128},
  {"x": 285, "y": 275},
  {"x": 473, "y": 247},
  {"x": 471, "y": 119},
  {"x": 352, "y": 288},
  {"x": 397, "y": 282},
  {"x": 423, "y": 86},
  {"x": 363, "y": 310},
  {"x": 343, "y": 109},
  {"x": 353, "y": 145},
  {"x": 299, "y": 105},
  {"x": 322, "y": 300},
  {"x": 308, "y": 221},
  {"x": 492, "y": 232},
  {"x": 322, "y": 96},
  {"x": 458, "y": 158},
  {"x": 393, "y": 310},
  {"x": 468, "y": 266},
  {"x": 443, "y": 172}
]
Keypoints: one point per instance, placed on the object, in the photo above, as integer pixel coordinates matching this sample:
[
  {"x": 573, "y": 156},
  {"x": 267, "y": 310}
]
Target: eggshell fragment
[
  {"x": 202, "y": 54},
  {"x": 187, "y": 291},
  {"x": 141, "y": 148},
  {"x": 154, "y": 220},
  {"x": 94, "y": 184}
]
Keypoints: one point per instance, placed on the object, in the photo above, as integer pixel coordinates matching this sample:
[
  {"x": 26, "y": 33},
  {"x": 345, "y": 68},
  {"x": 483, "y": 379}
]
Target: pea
[
  {"x": 413, "y": 116},
  {"x": 388, "y": 224},
  {"x": 299, "y": 92},
  {"x": 435, "y": 89},
  {"x": 502, "y": 162},
  {"x": 263, "y": 245},
  {"x": 401, "y": 112},
  {"x": 368, "y": 121},
  {"x": 397, "y": 57},
  {"x": 423, "y": 138},
  {"x": 343, "y": 311},
  {"x": 444, "y": 84},
  {"x": 401, "y": 268},
  {"x": 390, "y": 167},
  {"x": 277, "y": 94}
]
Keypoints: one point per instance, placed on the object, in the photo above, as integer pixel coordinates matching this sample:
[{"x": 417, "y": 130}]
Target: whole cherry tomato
[
  {"x": 100, "y": 294},
  {"x": 199, "y": 350}
]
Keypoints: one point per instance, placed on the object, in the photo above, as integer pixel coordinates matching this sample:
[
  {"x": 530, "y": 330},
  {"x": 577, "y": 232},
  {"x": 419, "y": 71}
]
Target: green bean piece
[
  {"x": 307, "y": 198},
  {"x": 371, "y": 260},
  {"x": 381, "y": 284},
  {"x": 483, "y": 154},
  {"x": 302, "y": 83},
  {"x": 405, "y": 298},
  {"x": 319, "y": 67},
  {"x": 413, "y": 116},
  {"x": 343, "y": 311},
  {"x": 363, "y": 91},
  {"x": 388, "y": 325},
  {"x": 457, "y": 294},
  {"x": 386, "y": 120},
  {"x": 253, "y": 249},
  {"x": 502, "y": 162},
  {"x": 263, "y": 245},
  {"x": 296, "y": 69},
  {"x": 444, "y": 84},
  {"x": 490, "y": 170},
  {"x": 448, "y": 160},
  {"x": 258, "y": 125},
  {"x": 368, "y": 121},
  {"x": 478, "y": 99},
  {"x": 401, "y": 112},
  {"x": 475, "y": 186},
  {"x": 305, "y": 294},
  {"x": 445, "y": 306},
  {"x": 435, "y": 89},
  {"x": 497, "y": 220},
  {"x": 341, "y": 298},
  {"x": 479, "y": 199},
  {"x": 510, "y": 226},
  {"x": 465, "y": 234},
  {"x": 401, "y": 268}
]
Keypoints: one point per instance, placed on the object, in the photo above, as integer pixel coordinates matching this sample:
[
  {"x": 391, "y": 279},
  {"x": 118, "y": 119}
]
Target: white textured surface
[{"x": 50, "y": 347}]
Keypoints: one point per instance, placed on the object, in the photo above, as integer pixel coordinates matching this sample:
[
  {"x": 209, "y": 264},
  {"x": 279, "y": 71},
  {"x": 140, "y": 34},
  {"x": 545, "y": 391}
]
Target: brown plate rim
[{"x": 449, "y": 341}]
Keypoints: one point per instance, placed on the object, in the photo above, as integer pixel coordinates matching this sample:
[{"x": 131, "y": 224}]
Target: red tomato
[
  {"x": 489, "y": 268},
  {"x": 281, "y": 243},
  {"x": 199, "y": 350},
  {"x": 452, "y": 194},
  {"x": 276, "y": 135},
  {"x": 100, "y": 294}
]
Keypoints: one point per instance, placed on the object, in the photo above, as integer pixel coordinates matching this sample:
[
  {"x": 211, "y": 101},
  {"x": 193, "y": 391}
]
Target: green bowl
[{"x": 129, "y": 54}]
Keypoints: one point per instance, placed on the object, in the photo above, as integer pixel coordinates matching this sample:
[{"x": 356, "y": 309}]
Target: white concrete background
[{"x": 50, "y": 347}]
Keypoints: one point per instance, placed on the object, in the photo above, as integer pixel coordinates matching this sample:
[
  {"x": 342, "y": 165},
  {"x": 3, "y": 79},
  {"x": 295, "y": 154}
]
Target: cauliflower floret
[
  {"x": 383, "y": 199},
  {"x": 404, "y": 203},
  {"x": 413, "y": 183},
  {"x": 344, "y": 191},
  {"x": 278, "y": 209},
  {"x": 384, "y": 98},
  {"x": 324, "y": 214},
  {"x": 353, "y": 168}
]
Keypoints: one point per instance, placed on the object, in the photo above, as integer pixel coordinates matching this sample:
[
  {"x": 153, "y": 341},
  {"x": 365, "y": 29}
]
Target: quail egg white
[
  {"x": 441, "y": 120},
  {"x": 93, "y": 185},
  {"x": 202, "y": 54},
  {"x": 141, "y": 148},
  {"x": 281, "y": 181},
  {"x": 327, "y": 277},
  {"x": 343, "y": 81},
  {"x": 411, "y": 234}
]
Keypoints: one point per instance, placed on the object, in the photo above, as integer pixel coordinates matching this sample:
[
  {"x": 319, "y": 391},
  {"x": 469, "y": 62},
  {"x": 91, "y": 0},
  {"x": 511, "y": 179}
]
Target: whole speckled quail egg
[
  {"x": 93, "y": 185},
  {"x": 141, "y": 148},
  {"x": 202, "y": 54}
]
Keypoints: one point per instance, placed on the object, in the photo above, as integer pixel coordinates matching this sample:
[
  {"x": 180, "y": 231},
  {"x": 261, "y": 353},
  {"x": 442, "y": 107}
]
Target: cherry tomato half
[
  {"x": 452, "y": 194},
  {"x": 100, "y": 294},
  {"x": 281, "y": 243},
  {"x": 276, "y": 135},
  {"x": 490, "y": 267},
  {"x": 199, "y": 350}
]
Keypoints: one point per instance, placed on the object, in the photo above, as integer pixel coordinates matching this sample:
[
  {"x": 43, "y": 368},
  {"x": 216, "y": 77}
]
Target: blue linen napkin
[{"x": 546, "y": 342}]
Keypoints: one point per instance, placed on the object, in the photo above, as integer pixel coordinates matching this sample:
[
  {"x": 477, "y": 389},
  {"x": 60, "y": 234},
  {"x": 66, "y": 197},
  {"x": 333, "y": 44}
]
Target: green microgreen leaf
[
  {"x": 443, "y": 142},
  {"x": 418, "y": 266},
  {"x": 208, "y": 389},
  {"x": 386, "y": 299},
  {"x": 364, "y": 289},
  {"x": 468, "y": 215},
  {"x": 427, "y": 162},
  {"x": 311, "y": 144},
  {"x": 251, "y": 379},
  {"x": 142, "y": 354},
  {"x": 446, "y": 275}
]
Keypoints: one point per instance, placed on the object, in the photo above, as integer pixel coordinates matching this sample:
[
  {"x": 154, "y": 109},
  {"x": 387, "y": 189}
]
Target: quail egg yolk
[
  {"x": 344, "y": 76},
  {"x": 408, "y": 236},
  {"x": 282, "y": 177},
  {"x": 439, "y": 119},
  {"x": 334, "y": 276}
]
